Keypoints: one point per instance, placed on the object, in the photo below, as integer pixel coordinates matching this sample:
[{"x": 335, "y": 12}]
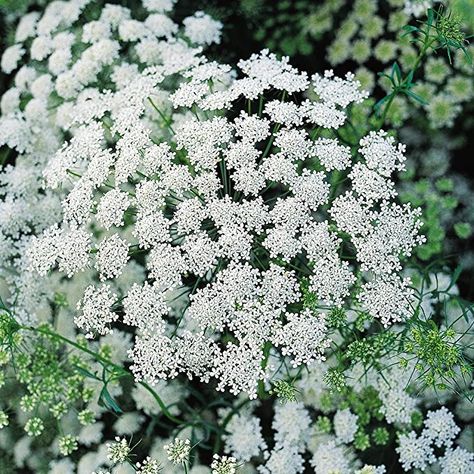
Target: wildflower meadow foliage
[{"x": 221, "y": 265}]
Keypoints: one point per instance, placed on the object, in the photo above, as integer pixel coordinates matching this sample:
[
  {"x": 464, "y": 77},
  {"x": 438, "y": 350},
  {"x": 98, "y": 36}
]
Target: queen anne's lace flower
[
  {"x": 223, "y": 465},
  {"x": 303, "y": 337},
  {"x": 202, "y": 29},
  {"x": 330, "y": 457},
  {"x": 387, "y": 298},
  {"x": 69, "y": 60},
  {"x": 415, "y": 452},
  {"x": 244, "y": 439},
  {"x": 345, "y": 425},
  {"x": 112, "y": 255},
  {"x": 148, "y": 466},
  {"x": 283, "y": 460},
  {"x": 111, "y": 208},
  {"x": 119, "y": 451},
  {"x": 95, "y": 310},
  {"x": 397, "y": 405},
  {"x": 292, "y": 424},
  {"x": 178, "y": 451},
  {"x": 457, "y": 460},
  {"x": 440, "y": 427},
  {"x": 236, "y": 214},
  {"x": 11, "y": 57}
]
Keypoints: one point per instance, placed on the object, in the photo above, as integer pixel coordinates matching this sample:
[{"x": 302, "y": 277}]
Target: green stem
[
  {"x": 224, "y": 176},
  {"x": 107, "y": 185},
  {"x": 270, "y": 140},
  {"x": 421, "y": 55},
  {"x": 426, "y": 46},
  {"x": 386, "y": 108},
  {"x": 260, "y": 105},
  {"x": 162, "y": 115},
  {"x": 266, "y": 354}
]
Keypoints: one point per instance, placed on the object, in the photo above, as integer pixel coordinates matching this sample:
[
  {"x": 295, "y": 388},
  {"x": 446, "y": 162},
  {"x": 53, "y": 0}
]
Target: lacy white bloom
[
  {"x": 338, "y": 91},
  {"x": 95, "y": 310},
  {"x": 91, "y": 434},
  {"x": 283, "y": 460},
  {"x": 244, "y": 439},
  {"x": 154, "y": 357},
  {"x": 440, "y": 428},
  {"x": 112, "y": 255},
  {"x": 11, "y": 57},
  {"x": 236, "y": 212},
  {"x": 118, "y": 451},
  {"x": 415, "y": 452},
  {"x": 128, "y": 423},
  {"x": 292, "y": 425},
  {"x": 69, "y": 249},
  {"x": 387, "y": 298},
  {"x": 111, "y": 208},
  {"x": 303, "y": 337},
  {"x": 178, "y": 451},
  {"x": 345, "y": 425},
  {"x": 202, "y": 29},
  {"x": 457, "y": 461},
  {"x": 380, "y": 153},
  {"x": 369, "y": 469},
  {"x": 69, "y": 56},
  {"x": 223, "y": 465},
  {"x": 148, "y": 466},
  {"x": 330, "y": 458},
  {"x": 417, "y": 7},
  {"x": 397, "y": 405},
  {"x": 333, "y": 156},
  {"x": 143, "y": 306}
]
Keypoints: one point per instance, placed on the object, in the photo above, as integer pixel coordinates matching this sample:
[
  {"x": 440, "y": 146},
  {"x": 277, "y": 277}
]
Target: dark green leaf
[
  {"x": 430, "y": 14},
  {"x": 382, "y": 101},
  {"x": 454, "y": 278},
  {"x": 410, "y": 28},
  {"x": 86, "y": 373},
  {"x": 396, "y": 72},
  {"x": 416, "y": 97},
  {"x": 106, "y": 400}
]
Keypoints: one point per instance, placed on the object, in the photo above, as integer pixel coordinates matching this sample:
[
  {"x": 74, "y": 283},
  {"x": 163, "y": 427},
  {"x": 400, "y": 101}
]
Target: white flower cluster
[
  {"x": 345, "y": 425},
  {"x": 205, "y": 224},
  {"x": 178, "y": 451},
  {"x": 417, "y": 7},
  {"x": 233, "y": 213},
  {"x": 70, "y": 52},
  {"x": 223, "y": 465},
  {"x": 397, "y": 405},
  {"x": 244, "y": 439},
  {"x": 292, "y": 426},
  {"x": 118, "y": 451},
  {"x": 440, "y": 430},
  {"x": 330, "y": 457}
]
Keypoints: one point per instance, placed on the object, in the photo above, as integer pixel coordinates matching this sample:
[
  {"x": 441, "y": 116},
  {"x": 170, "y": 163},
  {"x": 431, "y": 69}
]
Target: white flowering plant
[
  {"x": 383, "y": 32},
  {"x": 227, "y": 214},
  {"x": 394, "y": 48},
  {"x": 193, "y": 249}
]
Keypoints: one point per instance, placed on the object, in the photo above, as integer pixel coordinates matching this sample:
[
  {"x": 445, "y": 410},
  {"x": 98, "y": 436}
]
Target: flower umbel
[
  {"x": 119, "y": 451},
  {"x": 224, "y": 465},
  {"x": 178, "y": 451}
]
